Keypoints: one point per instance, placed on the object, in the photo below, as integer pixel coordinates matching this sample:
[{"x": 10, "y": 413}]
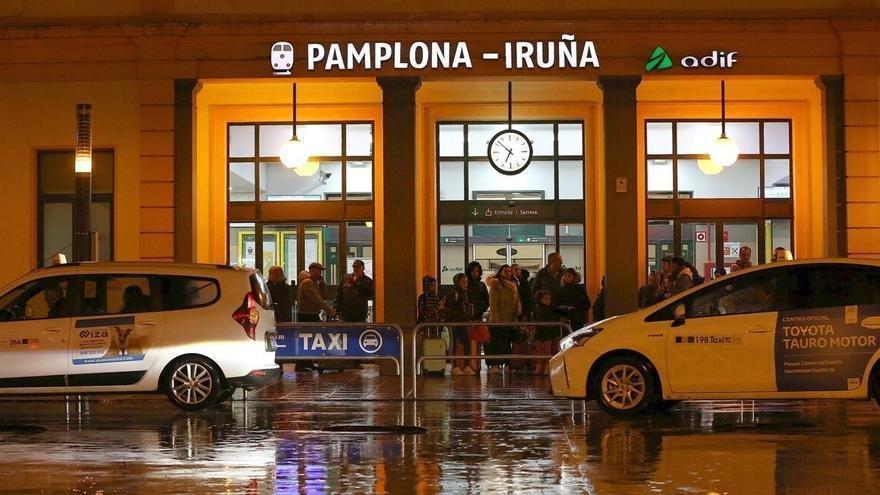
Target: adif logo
[
  {"x": 723, "y": 60},
  {"x": 659, "y": 60},
  {"x": 282, "y": 58}
]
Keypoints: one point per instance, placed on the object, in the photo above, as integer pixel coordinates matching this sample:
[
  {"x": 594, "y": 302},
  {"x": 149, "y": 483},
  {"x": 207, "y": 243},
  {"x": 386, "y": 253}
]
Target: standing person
[
  {"x": 744, "y": 261},
  {"x": 310, "y": 300},
  {"x": 521, "y": 335},
  {"x": 681, "y": 278},
  {"x": 478, "y": 294},
  {"x": 429, "y": 301},
  {"x": 504, "y": 306},
  {"x": 544, "y": 335},
  {"x": 352, "y": 301},
  {"x": 457, "y": 308},
  {"x": 572, "y": 299},
  {"x": 283, "y": 295},
  {"x": 599, "y": 304},
  {"x": 782, "y": 254},
  {"x": 549, "y": 278},
  {"x": 651, "y": 293}
]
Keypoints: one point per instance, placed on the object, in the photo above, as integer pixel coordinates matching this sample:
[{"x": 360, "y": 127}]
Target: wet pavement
[{"x": 488, "y": 435}]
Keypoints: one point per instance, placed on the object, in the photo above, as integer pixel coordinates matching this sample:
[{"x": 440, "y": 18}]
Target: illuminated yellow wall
[{"x": 41, "y": 116}]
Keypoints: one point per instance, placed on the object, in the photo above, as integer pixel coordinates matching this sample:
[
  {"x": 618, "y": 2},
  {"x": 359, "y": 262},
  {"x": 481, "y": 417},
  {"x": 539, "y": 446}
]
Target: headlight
[{"x": 578, "y": 338}]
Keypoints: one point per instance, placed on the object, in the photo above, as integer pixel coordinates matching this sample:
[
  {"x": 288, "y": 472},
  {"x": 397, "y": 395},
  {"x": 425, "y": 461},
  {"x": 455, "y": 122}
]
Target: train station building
[{"x": 399, "y": 110}]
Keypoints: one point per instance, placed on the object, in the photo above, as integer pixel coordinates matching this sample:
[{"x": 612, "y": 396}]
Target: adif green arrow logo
[{"x": 659, "y": 60}]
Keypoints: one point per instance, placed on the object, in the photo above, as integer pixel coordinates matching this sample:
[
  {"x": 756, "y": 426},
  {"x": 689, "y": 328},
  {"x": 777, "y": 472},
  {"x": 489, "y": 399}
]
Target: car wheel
[
  {"x": 193, "y": 383},
  {"x": 625, "y": 387}
]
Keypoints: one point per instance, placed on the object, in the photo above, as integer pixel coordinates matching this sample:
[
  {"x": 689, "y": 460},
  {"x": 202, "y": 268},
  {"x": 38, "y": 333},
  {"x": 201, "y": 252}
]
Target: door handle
[
  {"x": 146, "y": 324},
  {"x": 760, "y": 330},
  {"x": 52, "y": 330}
]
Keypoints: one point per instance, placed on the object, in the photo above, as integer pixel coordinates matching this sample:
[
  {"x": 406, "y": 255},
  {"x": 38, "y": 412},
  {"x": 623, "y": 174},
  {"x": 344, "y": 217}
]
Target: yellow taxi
[{"x": 791, "y": 330}]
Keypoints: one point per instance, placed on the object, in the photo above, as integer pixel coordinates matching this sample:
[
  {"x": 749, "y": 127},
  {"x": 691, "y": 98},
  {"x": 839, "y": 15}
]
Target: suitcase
[{"x": 433, "y": 345}]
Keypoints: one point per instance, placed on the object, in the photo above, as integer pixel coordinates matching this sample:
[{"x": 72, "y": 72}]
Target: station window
[
  {"x": 55, "y": 198},
  {"x": 343, "y": 152},
  {"x": 724, "y": 213}
]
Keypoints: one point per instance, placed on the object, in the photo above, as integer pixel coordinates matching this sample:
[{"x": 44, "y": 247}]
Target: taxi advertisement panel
[{"x": 825, "y": 349}]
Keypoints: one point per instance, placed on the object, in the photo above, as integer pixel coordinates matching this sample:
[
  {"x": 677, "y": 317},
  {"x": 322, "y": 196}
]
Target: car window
[
  {"x": 124, "y": 294},
  {"x": 37, "y": 300},
  {"x": 187, "y": 292},
  {"x": 826, "y": 286},
  {"x": 753, "y": 293}
]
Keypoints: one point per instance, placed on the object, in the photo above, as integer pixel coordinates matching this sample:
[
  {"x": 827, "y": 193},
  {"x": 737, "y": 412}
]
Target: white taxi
[
  {"x": 194, "y": 332},
  {"x": 791, "y": 330}
]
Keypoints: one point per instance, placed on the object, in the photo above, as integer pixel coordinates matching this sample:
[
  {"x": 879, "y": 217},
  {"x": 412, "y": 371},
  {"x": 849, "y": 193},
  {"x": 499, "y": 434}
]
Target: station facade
[{"x": 398, "y": 109}]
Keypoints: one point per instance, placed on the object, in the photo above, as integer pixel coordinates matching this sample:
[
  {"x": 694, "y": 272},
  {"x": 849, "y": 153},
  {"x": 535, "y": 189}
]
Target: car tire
[
  {"x": 193, "y": 383},
  {"x": 625, "y": 386}
]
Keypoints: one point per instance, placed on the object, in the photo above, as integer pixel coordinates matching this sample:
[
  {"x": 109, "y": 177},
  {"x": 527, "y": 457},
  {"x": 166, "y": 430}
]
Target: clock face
[{"x": 510, "y": 152}]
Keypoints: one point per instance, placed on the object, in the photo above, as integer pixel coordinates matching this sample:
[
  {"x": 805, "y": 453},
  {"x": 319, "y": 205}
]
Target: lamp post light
[{"x": 82, "y": 200}]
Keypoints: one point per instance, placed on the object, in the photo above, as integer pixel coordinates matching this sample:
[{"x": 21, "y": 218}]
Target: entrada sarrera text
[{"x": 565, "y": 53}]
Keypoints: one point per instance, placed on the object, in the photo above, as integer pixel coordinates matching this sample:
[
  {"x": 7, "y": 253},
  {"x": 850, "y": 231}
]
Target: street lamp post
[{"x": 82, "y": 200}]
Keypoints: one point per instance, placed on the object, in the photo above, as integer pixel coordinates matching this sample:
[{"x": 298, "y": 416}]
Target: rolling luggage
[{"x": 433, "y": 345}]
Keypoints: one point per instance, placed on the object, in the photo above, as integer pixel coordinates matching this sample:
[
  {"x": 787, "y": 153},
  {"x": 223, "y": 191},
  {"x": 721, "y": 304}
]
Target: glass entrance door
[{"x": 500, "y": 244}]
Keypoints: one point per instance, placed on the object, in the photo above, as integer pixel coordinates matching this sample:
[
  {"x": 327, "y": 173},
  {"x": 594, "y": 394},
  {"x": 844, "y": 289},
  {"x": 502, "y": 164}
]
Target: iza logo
[{"x": 660, "y": 60}]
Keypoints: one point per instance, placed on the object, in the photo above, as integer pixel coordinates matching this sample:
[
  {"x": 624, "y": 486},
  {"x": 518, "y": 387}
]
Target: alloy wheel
[
  {"x": 623, "y": 387},
  {"x": 191, "y": 383}
]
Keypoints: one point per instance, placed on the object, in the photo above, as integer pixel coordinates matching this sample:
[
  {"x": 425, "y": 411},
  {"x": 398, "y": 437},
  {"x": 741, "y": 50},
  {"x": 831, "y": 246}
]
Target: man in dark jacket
[
  {"x": 283, "y": 295},
  {"x": 549, "y": 278},
  {"x": 355, "y": 292}
]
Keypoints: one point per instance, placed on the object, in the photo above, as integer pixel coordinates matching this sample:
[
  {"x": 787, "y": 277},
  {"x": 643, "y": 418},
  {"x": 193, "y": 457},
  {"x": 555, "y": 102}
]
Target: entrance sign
[
  {"x": 519, "y": 212},
  {"x": 337, "y": 341},
  {"x": 566, "y": 53}
]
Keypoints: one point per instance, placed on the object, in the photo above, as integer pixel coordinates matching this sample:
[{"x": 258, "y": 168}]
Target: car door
[
  {"x": 115, "y": 340},
  {"x": 829, "y": 334},
  {"x": 725, "y": 344},
  {"x": 34, "y": 333}
]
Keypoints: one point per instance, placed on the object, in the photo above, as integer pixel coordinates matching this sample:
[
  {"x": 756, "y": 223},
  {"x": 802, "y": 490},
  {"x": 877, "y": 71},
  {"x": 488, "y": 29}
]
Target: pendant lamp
[{"x": 724, "y": 150}]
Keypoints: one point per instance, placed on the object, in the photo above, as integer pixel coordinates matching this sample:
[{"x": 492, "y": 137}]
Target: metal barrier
[
  {"x": 340, "y": 341},
  {"x": 564, "y": 329}
]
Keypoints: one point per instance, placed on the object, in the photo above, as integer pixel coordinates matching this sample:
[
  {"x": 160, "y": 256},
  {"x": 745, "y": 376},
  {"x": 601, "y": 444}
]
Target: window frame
[
  {"x": 344, "y": 159},
  {"x": 69, "y": 198}
]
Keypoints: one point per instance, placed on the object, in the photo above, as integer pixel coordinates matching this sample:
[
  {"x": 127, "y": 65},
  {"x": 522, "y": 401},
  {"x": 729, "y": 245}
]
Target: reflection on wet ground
[{"x": 276, "y": 443}]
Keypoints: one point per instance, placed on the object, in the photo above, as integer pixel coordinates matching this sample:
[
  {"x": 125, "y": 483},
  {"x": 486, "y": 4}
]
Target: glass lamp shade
[
  {"x": 309, "y": 168},
  {"x": 709, "y": 167},
  {"x": 294, "y": 153},
  {"x": 724, "y": 151},
  {"x": 82, "y": 165}
]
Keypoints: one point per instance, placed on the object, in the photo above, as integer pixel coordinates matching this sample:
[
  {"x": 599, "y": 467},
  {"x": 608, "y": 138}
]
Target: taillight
[{"x": 247, "y": 315}]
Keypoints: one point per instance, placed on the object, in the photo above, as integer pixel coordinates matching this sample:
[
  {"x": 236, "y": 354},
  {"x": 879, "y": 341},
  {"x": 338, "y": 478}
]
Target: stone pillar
[
  {"x": 621, "y": 213},
  {"x": 835, "y": 163},
  {"x": 399, "y": 178},
  {"x": 400, "y": 288},
  {"x": 184, "y": 191}
]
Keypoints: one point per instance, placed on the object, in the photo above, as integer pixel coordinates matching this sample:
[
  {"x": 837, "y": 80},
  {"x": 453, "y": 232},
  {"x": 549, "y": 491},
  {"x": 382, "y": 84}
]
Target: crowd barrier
[
  {"x": 315, "y": 342},
  {"x": 564, "y": 329}
]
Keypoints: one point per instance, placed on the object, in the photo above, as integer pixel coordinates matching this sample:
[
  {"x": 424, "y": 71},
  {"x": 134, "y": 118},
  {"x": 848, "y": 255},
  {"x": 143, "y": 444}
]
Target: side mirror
[{"x": 679, "y": 315}]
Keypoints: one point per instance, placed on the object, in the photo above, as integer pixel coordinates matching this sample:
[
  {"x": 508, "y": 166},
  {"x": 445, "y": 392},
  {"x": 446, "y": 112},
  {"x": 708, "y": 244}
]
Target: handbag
[{"x": 479, "y": 333}]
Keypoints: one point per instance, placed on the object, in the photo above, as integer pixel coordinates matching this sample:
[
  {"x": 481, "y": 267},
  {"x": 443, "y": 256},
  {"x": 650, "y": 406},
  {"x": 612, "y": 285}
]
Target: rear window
[
  {"x": 188, "y": 292},
  {"x": 260, "y": 291}
]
